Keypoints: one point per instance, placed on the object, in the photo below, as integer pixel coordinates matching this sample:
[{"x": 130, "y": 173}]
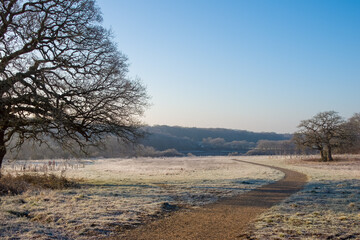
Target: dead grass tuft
[{"x": 17, "y": 184}]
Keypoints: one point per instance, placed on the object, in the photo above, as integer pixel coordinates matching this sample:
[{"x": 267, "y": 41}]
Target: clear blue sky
[{"x": 252, "y": 65}]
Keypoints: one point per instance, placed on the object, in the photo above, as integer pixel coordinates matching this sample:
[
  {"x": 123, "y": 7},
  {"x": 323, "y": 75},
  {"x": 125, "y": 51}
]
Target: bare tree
[
  {"x": 324, "y": 132},
  {"x": 352, "y": 126},
  {"x": 62, "y": 76}
]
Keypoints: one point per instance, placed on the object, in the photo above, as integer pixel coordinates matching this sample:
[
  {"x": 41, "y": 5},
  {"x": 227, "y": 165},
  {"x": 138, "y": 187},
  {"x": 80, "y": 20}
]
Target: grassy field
[
  {"x": 327, "y": 208},
  {"x": 117, "y": 194}
]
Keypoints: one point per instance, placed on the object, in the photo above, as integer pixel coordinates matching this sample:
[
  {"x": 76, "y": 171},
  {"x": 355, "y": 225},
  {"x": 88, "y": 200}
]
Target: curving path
[{"x": 227, "y": 218}]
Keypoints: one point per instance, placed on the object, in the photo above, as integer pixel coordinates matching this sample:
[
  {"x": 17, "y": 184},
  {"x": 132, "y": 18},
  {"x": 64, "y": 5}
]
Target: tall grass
[{"x": 19, "y": 183}]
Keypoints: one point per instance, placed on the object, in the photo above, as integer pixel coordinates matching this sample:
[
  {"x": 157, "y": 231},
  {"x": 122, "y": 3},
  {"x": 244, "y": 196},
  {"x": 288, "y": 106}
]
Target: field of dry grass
[
  {"x": 116, "y": 194},
  {"x": 328, "y": 207}
]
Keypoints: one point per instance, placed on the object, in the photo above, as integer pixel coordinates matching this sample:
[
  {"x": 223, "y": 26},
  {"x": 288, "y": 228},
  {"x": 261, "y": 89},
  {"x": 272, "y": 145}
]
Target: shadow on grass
[{"x": 339, "y": 196}]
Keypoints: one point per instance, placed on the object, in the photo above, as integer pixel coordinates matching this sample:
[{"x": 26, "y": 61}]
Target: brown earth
[{"x": 228, "y": 218}]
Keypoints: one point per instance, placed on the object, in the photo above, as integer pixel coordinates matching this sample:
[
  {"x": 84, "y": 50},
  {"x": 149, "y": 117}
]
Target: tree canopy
[
  {"x": 324, "y": 132},
  {"x": 61, "y": 75}
]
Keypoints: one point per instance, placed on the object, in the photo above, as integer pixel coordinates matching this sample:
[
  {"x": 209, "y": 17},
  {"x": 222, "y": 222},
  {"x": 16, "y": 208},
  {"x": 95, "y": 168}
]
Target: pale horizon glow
[{"x": 253, "y": 65}]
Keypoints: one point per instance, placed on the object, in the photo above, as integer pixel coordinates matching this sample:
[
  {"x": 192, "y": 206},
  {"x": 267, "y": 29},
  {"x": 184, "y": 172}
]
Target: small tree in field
[
  {"x": 324, "y": 132},
  {"x": 62, "y": 76}
]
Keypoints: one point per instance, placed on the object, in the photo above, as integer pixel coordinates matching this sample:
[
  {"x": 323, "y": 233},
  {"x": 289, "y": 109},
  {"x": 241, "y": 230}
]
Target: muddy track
[{"x": 227, "y": 218}]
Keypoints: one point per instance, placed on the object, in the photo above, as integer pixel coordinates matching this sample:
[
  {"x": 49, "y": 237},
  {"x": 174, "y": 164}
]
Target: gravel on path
[{"x": 228, "y": 218}]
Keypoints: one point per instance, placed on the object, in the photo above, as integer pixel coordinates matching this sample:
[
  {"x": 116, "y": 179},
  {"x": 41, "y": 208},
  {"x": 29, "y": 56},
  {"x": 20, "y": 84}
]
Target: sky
[{"x": 256, "y": 65}]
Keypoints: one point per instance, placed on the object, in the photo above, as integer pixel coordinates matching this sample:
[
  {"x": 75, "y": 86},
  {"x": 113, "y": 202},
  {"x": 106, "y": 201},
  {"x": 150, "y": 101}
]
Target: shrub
[{"x": 17, "y": 184}]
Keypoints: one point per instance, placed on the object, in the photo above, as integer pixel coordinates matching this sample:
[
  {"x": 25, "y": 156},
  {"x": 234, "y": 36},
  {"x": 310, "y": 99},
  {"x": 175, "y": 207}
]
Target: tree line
[
  {"x": 325, "y": 133},
  {"x": 345, "y": 139},
  {"x": 158, "y": 141},
  {"x": 328, "y": 133}
]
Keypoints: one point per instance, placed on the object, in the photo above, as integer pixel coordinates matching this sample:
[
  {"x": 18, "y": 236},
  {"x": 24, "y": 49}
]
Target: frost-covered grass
[
  {"x": 327, "y": 208},
  {"x": 116, "y": 194}
]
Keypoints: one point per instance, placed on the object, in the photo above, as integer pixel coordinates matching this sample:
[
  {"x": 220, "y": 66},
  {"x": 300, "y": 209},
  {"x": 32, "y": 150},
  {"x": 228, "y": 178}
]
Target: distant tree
[
  {"x": 213, "y": 142},
  {"x": 324, "y": 132},
  {"x": 62, "y": 76},
  {"x": 352, "y": 126},
  {"x": 268, "y": 147}
]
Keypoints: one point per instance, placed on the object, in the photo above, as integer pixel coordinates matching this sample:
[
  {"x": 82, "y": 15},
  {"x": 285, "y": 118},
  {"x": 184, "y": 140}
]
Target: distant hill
[
  {"x": 206, "y": 141},
  {"x": 166, "y": 141}
]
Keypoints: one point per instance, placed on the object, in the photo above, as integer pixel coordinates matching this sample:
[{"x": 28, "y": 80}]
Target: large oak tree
[
  {"x": 62, "y": 76},
  {"x": 324, "y": 132}
]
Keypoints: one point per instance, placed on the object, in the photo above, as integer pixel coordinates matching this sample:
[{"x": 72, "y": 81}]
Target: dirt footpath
[{"x": 227, "y": 218}]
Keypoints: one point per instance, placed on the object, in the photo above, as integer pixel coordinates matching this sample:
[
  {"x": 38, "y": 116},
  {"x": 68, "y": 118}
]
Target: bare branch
[{"x": 62, "y": 76}]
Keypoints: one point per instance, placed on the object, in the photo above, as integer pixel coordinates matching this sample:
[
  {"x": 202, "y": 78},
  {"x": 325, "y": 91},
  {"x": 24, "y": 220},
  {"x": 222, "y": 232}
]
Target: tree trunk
[
  {"x": 323, "y": 155},
  {"x": 2, "y": 148},
  {"x": 329, "y": 154}
]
